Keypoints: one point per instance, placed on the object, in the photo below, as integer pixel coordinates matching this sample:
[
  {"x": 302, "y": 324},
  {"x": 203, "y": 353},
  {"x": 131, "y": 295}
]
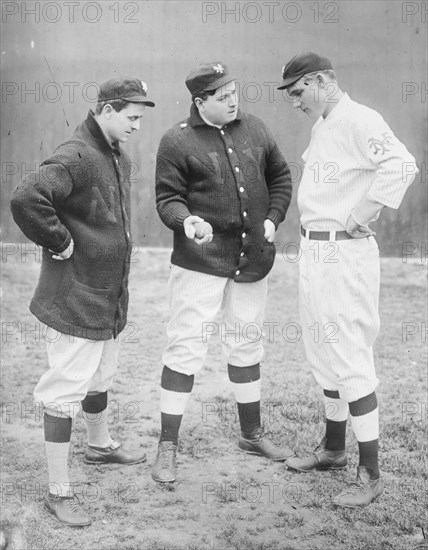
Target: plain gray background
[{"x": 53, "y": 53}]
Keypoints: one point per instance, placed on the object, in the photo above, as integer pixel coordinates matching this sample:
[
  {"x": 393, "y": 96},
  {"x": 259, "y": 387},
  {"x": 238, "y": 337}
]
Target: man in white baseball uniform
[
  {"x": 354, "y": 167},
  {"x": 223, "y": 187}
]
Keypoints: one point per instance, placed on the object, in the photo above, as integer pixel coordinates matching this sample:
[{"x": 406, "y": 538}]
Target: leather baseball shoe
[
  {"x": 364, "y": 491},
  {"x": 258, "y": 444},
  {"x": 67, "y": 510},
  {"x": 165, "y": 469},
  {"x": 321, "y": 459},
  {"x": 111, "y": 455}
]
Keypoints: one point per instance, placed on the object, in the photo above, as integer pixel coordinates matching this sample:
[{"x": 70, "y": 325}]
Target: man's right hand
[
  {"x": 65, "y": 254},
  {"x": 199, "y": 230}
]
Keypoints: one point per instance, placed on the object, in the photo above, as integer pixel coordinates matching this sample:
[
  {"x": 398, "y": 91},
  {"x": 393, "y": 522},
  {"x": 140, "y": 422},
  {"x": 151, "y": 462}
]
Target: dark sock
[
  {"x": 170, "y": 426},
  {"x": 335, "y": 434},
  {"x": 95, "y": 403},
  {"x": 174, "y": 382},
  {"x": 249, "y": 418},
  {"x": 335, "y": 429},
  {"x": 57, "y": 444},
  {"x": 249, "y": 413},
  {"x": 57, "y": 429},
  {"x": 369, "y": 450},
  {"x": 364, "y": 405}
]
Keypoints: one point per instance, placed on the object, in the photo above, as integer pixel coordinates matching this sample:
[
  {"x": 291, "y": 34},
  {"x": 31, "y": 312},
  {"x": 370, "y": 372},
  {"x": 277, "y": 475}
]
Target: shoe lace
[
  {"x": 321, "y": 445},
  {"x": 354, "y": 489},
  {"x": 73, "y": 505}
]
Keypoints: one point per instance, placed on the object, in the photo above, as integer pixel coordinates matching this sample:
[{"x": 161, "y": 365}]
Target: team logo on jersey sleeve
[{"x": 380, "y": 145}]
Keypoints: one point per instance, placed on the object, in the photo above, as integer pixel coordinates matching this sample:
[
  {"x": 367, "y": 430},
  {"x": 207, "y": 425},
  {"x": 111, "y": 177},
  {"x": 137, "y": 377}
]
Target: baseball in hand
[{"x": 202, "y": 229}]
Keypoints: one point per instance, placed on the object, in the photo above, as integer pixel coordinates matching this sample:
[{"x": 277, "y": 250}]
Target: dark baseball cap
[
  {"x": 208, "y": 77},
  {"x": 302, "y": 64},
  {"x": 129, "y": 89}
]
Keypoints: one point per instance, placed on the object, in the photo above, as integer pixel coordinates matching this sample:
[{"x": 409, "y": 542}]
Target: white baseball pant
[
  {"x": 339, "y": 309},
  {"x": 76, "y": 366},
  {"x": 195, "y": 300}
]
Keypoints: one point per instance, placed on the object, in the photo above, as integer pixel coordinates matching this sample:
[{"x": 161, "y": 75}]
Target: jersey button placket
[{"x": 242, "y": 196}]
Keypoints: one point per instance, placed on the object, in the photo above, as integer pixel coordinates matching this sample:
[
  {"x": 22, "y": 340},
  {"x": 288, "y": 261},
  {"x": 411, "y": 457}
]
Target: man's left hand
[
  {"x": 269, "y": 230},
  {"x": 358, "y": 231}
]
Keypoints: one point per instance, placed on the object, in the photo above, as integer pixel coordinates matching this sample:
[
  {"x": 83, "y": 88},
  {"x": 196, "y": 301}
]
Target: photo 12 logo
[
  {"x": 253, "y": 12},
  {"x": 70, "y": 12},
  {"x": 49, "y": 92},
  {"x": 414, "y": 11}
]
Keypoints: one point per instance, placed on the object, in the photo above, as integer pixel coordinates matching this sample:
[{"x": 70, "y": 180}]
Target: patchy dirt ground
[{"x": 224, "y": 499}]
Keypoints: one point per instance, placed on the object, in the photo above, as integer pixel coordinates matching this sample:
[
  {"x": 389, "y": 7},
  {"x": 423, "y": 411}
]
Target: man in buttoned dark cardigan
[{"x": 222, "y": 187}]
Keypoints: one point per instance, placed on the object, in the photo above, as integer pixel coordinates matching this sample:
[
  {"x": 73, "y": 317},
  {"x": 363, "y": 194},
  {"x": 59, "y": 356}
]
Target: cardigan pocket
[{"x": 86, "y": 307}]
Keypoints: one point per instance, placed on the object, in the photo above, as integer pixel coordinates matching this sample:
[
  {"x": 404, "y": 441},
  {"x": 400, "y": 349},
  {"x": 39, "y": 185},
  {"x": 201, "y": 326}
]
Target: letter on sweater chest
[
  {"x": 205, "y": 168},
  {"x": 255, "y": 163},
  {"x": 100, "y": 208},
  {"x": 214, "y": 159}
]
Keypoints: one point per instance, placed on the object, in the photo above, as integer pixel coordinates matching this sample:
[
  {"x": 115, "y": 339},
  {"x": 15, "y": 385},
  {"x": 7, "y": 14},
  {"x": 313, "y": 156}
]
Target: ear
[
  {"x": 107, "y": 111},
  {"x": 199, "y": 104},
  {"x": 321, "y": 80}
]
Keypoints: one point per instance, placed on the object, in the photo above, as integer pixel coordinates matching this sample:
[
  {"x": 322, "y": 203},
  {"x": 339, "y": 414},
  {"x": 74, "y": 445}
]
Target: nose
[
  {"x": 233, "y": 100},
  {"x": 136, "y": 124}
]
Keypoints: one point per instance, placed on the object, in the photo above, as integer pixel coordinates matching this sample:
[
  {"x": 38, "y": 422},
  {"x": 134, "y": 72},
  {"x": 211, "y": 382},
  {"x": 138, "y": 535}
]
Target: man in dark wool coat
[{"x": 77, "y": 207}]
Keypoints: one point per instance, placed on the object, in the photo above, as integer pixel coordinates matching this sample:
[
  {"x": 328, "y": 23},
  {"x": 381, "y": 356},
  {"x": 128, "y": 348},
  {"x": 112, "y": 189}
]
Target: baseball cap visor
[
  {"x": 289, "y": 81},
  {"x": 140, "y": 99}
]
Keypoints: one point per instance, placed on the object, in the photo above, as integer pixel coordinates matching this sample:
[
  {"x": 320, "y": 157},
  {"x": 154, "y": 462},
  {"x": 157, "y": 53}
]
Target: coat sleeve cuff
[
  {"x": 63, "y": 246},
  {"x": 275, "y": 216}
]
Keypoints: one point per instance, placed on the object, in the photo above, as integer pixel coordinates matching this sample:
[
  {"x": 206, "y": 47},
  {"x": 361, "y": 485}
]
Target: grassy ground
[{"x": 223, "y": 499}]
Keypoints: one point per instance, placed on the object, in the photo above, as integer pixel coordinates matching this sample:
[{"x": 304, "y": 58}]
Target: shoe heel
[
  {"x": 325, "y": 468},
  {"x": 247, "y": 449}
]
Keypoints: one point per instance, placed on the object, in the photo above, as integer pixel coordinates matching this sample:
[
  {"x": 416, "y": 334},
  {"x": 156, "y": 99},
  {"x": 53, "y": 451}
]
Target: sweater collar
[
  {"x": 96, "y": 132},
  {"x": 196, "y": 120}
]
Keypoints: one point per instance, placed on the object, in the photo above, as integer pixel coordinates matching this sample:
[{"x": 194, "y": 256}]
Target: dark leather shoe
[
  {"x": 364, "y": 491},
  {"x": 321, "y": 459},
  {"x": 165, "y": 469},
  {"x": 258, "y": 444},
  {"x": 67, "y": 510},
  {"x": 111, "y": 455}
]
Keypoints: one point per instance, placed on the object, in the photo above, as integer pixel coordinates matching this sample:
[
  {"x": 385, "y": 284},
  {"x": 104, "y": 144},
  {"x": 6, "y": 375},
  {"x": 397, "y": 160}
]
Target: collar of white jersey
[{"x": 343, "y": 103}]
